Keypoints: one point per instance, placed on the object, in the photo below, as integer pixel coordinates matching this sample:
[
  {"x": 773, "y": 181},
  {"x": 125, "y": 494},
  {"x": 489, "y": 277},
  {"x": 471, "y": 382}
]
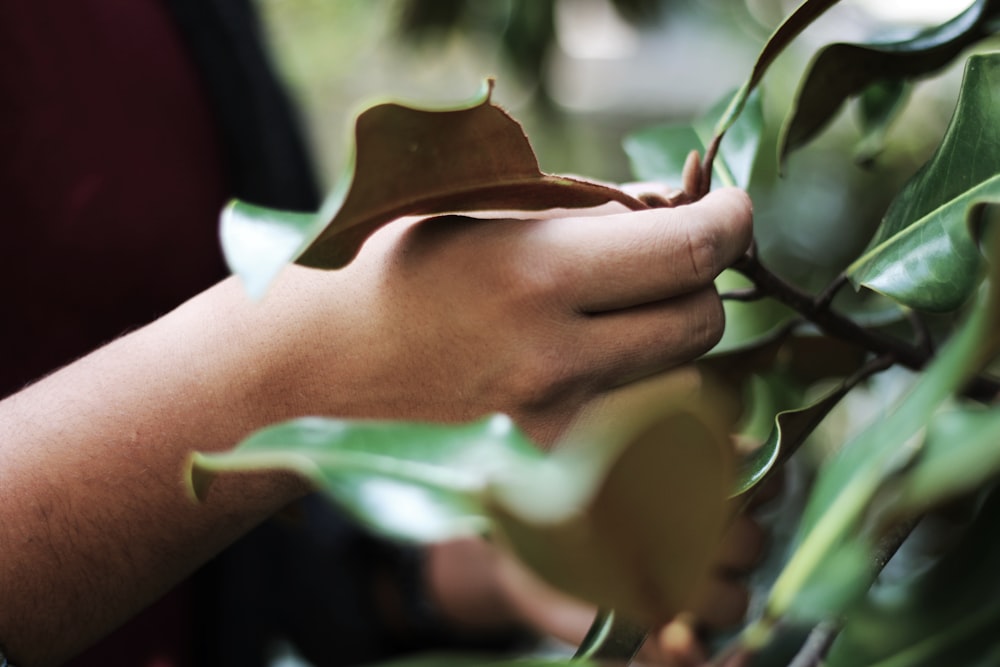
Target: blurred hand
[{"x": 478, "y": 587}]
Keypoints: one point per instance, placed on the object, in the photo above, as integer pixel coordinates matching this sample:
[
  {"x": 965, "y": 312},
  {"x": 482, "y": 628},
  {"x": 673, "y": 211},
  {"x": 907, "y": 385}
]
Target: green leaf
[
  {"x": 878, "y": 107},
  {"x": 657, "y": 153},
  {"x": 407, "y": 162},
  {"x": 417, "y": 482},
  {"x": 923, "y": 254},
  {"x": 847, "y": 485},
  {"x": 842, "y": 70},
  {"x": 960, "y": 454},
  {"x": 847, "y": 574},
  {"x": 637, "y": 491},
  {"x": 783, "y": 35},
  {"x": 934, "y": 264},
  {"x": 791, "y": 429},
  {"x": 944, "y": 614}
]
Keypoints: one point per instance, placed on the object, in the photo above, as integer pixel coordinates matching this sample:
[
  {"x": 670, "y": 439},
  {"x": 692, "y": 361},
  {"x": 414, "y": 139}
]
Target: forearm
[{"x": 95, "y": 521}]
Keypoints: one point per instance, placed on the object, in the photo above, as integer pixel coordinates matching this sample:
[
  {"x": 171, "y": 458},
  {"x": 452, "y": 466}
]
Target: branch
[
  {"x": 821, "y": 638},
  {"x": 818, "y": 311}
]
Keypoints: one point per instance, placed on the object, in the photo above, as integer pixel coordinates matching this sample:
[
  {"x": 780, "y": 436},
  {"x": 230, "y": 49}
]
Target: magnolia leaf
[
  {"x": 407, "y": 162},
  {"x": 847, "y": 574},
  {"x": 848, "y": 484},
  {"x": 923, "y": 254},
  {"x": 960, "y": 454},
  {"x": 645, "y": 474},
  {"x": 944, "y": 614},
  {"x": 791, "y": 429},
  {"x": 658, "y": 153},
  {"x": 878, "y": 107},
  {"x": 842, "y": 70},
  {"x": 789, "y": 29},
  {"x": 934, "y": 264},
  {"x": 415, "y": 482}
]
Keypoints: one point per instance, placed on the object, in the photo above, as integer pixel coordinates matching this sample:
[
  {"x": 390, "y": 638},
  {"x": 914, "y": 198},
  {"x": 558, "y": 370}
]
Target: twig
[
  {"x": 825, "y": 298},
  {"x": 821, "y": 638},
  {"x": 744, "y": 295},
  {"x": 819, "y": 312},
  {"x": 817, "y": 645}
]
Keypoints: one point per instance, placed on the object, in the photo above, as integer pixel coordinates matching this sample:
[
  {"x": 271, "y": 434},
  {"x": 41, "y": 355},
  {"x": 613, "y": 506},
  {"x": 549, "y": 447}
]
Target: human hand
[
  {"x": 449, "y": 318},
  {"x": 478, "y": 588}
]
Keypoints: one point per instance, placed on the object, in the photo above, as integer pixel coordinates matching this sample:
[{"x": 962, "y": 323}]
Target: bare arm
[{"x": 445, "y": 320}]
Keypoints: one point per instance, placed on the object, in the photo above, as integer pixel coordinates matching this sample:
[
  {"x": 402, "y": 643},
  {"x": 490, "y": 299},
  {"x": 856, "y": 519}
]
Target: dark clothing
[{"x": 125, "y": 126}]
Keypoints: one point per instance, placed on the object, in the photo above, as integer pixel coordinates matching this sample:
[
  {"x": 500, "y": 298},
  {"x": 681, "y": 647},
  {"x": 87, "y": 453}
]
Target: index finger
[{"x": 628, "y": 259}]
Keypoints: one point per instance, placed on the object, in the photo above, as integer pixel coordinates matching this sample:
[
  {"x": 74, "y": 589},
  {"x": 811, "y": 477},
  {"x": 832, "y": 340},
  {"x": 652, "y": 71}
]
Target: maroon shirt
[{"x": 112, "y": 180}]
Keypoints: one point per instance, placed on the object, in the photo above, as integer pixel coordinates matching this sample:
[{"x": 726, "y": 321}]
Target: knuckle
[
  {"x": 704, "y": 245},
  {"x": 545, "y": 378},
  {"x": 707, "y": 320}
]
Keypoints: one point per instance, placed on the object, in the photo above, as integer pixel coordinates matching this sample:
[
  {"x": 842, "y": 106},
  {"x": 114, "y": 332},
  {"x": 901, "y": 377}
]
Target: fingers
[
  {"x": 677, "y": 644},
  {"x": 649, "y": 256},
  {"x": 641, "y": 341}
]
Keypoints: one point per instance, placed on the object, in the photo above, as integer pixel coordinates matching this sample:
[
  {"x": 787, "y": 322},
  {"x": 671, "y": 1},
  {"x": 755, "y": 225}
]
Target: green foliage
[
  {"x": 924, "y": 255},
  {"x": 658, "y": 153},
  {"x": 658, "y": 446},
  {"x": 945, "y": 614},
  {"x": 842, "y": 70},
  {"x": 625, "y": 512}
]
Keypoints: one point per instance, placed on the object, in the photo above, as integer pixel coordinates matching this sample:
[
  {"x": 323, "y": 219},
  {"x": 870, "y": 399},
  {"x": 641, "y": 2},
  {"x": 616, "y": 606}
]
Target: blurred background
[
  {"x": 580, "y": 74},
  {"x": 577, "y": 73}
]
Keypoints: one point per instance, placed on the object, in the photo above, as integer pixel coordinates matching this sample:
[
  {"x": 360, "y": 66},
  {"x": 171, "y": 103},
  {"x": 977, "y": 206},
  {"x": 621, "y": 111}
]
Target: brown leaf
[
  {"x": 416, "y": 162},
  {"x": 643, "y": 543}
]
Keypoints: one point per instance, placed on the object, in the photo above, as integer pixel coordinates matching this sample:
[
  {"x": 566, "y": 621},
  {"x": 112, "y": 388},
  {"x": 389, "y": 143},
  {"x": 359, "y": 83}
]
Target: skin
[{"x": 444, "y": 319}]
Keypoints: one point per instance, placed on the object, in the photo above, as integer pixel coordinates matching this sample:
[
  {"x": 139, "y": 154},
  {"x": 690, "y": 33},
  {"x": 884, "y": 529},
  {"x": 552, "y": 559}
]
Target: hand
[
  {"x": 479, "y": 588},
  {"x": 450, "y": 318},
  {"x": 444, "y": 319}
]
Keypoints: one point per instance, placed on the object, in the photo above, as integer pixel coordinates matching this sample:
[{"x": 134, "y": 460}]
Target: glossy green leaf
[
  {"x": 944, "y": 614},
  {"x": 842, "y": 70},
  {"x": 961, "y": 453},
  {"x": 923, "y": 254},
  {"x": 847, "y": 485},
  {"x": 847, "y": 574},
  {"x": 407, "y": 162},
  {"x": 636, "y": 491},
  {"x": 790, "y": 430},
  {"x": 934, "y": 264},
  {"x": 420, "y": 482},
  {"x": 657, "y": 153},
  {"x": 878, "y": 107},
  {"x": 795, "y": 23}
]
